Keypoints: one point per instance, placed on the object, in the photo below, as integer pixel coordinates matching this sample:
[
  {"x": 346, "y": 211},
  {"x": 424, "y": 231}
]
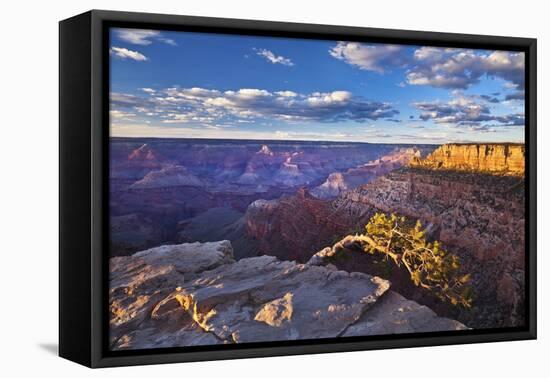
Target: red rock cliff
[
  {"x": 491, "y": 158},
  {"x": 478, "y": 216}
]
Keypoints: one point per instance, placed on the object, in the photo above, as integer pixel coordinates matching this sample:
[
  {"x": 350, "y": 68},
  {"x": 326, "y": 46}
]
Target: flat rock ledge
[{"x": 197, "y": 294}]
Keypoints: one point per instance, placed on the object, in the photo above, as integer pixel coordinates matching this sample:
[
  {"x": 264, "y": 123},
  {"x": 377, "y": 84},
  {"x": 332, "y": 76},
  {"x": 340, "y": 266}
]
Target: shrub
[{"x": 428, "y": 264}]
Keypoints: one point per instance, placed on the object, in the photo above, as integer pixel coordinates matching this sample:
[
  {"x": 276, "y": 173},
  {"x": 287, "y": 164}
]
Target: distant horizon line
[{"x": 308, "y": 140}]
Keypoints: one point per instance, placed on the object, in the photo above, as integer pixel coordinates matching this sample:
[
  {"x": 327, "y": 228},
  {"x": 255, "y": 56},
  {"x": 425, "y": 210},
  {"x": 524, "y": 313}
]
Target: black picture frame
[{"x": 83, "y": 180}]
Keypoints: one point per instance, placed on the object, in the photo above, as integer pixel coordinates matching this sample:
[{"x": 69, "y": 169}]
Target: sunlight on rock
[{"x": 276, "y": 312}]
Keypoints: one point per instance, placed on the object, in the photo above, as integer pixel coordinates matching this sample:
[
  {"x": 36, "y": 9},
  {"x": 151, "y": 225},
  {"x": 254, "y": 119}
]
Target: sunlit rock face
[
  {"x": 137, "y": 284},
  {"x": 197, "y": 294},
  {"x": 489, "y": 158},
  {"x": 479, "y": 216}
]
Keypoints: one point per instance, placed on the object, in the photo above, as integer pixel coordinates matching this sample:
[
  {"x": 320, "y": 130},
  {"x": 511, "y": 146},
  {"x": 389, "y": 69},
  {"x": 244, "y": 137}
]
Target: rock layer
[
  {"x": 157, "y": 183},
  {"x": 196, "y": 294},
  {"x": 293, "y": 227},
  {"x": 339, "y": 182},
  {"x": 174, "y": 175},
  {"x": 493, "y": 158},
  {"x": 479, "y": 217}
]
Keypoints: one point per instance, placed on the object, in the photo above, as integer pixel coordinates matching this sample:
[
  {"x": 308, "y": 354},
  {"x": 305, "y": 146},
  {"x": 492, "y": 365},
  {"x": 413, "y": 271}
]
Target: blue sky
[{"x": 197, "y": 85}]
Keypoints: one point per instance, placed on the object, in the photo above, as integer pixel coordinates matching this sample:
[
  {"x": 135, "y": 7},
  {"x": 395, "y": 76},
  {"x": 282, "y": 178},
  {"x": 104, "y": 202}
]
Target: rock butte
[
  {"x": 197, "y": 294},
  {"x": 493, "y": 158}
]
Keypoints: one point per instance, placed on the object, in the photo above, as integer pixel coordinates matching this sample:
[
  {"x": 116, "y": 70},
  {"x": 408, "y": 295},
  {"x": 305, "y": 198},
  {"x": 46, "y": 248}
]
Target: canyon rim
[{"x": 274, "y": 189}]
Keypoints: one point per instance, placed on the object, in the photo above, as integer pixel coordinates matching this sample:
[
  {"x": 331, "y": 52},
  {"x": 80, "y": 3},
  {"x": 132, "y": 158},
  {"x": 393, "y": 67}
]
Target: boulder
[
  {"x": 197, "y": 294},
  {"x": 394, "y": 314}
]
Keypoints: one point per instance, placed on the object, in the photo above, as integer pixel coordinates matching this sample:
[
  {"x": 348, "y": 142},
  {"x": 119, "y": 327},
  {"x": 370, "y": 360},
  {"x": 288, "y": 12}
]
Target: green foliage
[{"x": 428, "y": 264}]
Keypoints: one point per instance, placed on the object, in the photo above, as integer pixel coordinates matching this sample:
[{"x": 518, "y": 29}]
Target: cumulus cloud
[
  {"x": 466, "y": 111},
  {"x": 450, "y": 68},
  {"x": 142, "y": 37},
  {"x": 287, "y": 94},
  {"x": 120, "y": 115},
  {"x": 370, "y": 57},
  {"x": 200, "y": 105},
  {"x": 461, "y": 68},
  {"x": 124, "y": 53},
  {"x": 275, "y": 59}
]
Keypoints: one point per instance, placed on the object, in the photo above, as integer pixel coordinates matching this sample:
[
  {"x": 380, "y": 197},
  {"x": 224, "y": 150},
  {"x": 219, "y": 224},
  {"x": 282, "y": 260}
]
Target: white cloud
[
  {"x": 142, "y": 37},
  {"x": 286, "y": 93},
  {"x": 124, "y": 53},
  {"x": 137, "y": 36},
  {"x": 120, "y": 115},
  {"x": 275, "y": 59},
  {"x": 470, "y": 111},
  {"x": 451, "y": 68},
  {"x": 370, "y": 57},
  {"x": 462, "y": 68},
  {"x": 200, "y": 105},
  {"x": 317, "y": 98}
]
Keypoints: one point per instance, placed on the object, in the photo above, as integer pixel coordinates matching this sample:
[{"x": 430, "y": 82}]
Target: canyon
[
  {"x": 158, "y": 187},
  {"x": 478, "y": 216},
  {"x": 277, "y": 204}
]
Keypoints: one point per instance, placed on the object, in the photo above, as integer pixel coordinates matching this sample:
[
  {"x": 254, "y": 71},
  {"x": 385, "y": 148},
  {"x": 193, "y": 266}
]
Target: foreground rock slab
[{"x": 197, "y": 294}]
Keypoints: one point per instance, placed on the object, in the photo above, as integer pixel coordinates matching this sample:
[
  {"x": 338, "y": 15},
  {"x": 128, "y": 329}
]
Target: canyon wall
[
  {"x": 504, "y": 158},
  {"x": 163, "y": 190},
  {"x": 477, "y": 215},
  {"x": 470, "y": 197},
  {"x": 293, "y": 227},
  {"x": 339, "y": 182}
]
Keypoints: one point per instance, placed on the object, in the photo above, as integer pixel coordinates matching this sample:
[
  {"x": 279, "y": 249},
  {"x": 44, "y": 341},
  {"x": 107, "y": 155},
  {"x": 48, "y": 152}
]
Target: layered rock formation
[
  {"x": 489, "y": 158},
  {"x": 339, "y": 182},
  {"x": 478, "y": 216},
  {"x": 470, "y": 197},
  {"x": 332, "y": 187},
  {"x": 222, "y": 164},
  {"x": 169, "y": 176},
  {"x": 293, "y": 227},
  {"x": 196, "y": 294},
  {"x": 163, "y": 182}
]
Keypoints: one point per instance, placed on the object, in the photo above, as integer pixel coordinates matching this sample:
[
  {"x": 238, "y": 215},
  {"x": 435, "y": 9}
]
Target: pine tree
[{"x": 429, "y": 265}]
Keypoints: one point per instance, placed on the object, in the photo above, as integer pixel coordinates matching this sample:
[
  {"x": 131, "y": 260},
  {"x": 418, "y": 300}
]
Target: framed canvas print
[{"x": 233, "y": 188}]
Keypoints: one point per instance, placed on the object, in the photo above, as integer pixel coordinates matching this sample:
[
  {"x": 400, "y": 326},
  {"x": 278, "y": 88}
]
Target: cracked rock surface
[{"x": 197, "y": 294}]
